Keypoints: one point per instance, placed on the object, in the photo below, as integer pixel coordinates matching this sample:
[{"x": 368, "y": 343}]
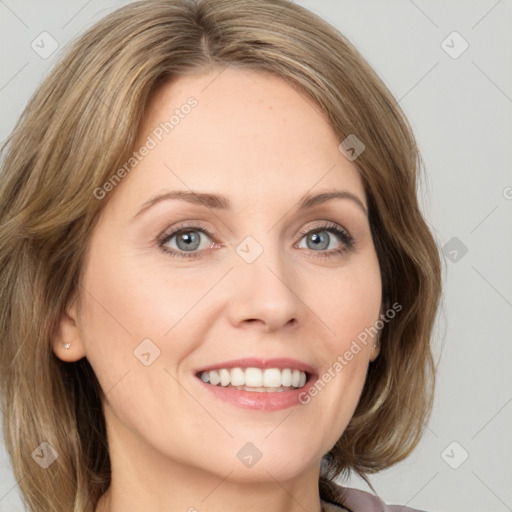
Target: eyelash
[{"x": 347, "y": 239}]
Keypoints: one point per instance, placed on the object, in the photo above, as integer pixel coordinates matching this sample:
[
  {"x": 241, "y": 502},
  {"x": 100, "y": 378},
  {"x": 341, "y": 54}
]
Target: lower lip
[{"x": 265, "y": 401}]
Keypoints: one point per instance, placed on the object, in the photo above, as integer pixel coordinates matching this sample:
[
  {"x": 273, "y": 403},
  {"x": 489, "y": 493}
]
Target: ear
[
  {"x": 375, "y": 348},
  {"x": 68, "y": 335}
]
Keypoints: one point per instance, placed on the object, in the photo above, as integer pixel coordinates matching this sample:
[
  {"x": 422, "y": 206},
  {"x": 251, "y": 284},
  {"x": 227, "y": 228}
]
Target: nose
[{"x": 264, "y": 293}]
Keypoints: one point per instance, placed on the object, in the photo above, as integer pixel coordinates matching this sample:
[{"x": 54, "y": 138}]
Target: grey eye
[
  {"x": 319, "y": 240},
  {"x": 189, "y": 240}
]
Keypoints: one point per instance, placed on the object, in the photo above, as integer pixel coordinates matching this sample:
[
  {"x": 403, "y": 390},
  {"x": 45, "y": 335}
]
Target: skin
[{"x": 173, "y": 445}]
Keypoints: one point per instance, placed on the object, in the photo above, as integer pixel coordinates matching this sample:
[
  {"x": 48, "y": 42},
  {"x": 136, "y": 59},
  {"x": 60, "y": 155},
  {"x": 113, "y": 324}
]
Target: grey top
[{"x": 335, "y": 498}]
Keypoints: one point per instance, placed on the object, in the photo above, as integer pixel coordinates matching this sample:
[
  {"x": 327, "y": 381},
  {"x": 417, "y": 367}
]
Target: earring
[{"x": 67, "y": 345}]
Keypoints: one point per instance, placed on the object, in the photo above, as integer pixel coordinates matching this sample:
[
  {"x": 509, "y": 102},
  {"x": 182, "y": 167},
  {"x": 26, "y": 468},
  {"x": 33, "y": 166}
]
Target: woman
[{"x": 218, "y": 290}]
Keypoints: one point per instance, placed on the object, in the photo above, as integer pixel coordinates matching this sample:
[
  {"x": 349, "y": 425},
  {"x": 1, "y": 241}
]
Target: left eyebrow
[
  {"x": 220, "y": 202},
  {"x": 310, "y": 200}
]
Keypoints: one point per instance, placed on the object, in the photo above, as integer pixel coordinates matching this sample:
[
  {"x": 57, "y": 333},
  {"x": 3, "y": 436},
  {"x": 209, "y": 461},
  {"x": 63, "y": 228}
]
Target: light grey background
[{"x": 461, "y": 111}]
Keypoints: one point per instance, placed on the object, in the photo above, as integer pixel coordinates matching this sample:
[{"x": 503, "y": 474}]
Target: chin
[{"x": 267, "y": 461}]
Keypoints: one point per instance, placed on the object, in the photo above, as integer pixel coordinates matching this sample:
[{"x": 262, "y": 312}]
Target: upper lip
[{"x": 261, "y": 362}]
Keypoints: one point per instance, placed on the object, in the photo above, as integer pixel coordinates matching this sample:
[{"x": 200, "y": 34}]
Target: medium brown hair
[{"x": 79, "y": 127}]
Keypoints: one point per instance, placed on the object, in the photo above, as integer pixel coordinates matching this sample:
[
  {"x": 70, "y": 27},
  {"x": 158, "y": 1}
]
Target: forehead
[
  {"x": 250, "y": 135},
  {"x": 246, "y": 108}
]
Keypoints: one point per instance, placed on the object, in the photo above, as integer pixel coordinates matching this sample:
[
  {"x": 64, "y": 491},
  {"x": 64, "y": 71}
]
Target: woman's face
[{"x": 240, "y": 286}]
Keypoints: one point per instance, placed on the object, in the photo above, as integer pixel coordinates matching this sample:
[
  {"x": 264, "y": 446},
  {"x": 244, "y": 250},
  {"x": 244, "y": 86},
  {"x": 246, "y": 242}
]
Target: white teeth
[
  {"x": 286, "y": 377},
  {"x": 256, "y": 379},
  {"x": 295, "y": 378},
  {"x": 214, "y": 377},
  {"x": 225, "y": 377},
  {"x": 237, "y": 377},
  {"x": 253, "y": 377},
  {"x": 272, "y": 378}
]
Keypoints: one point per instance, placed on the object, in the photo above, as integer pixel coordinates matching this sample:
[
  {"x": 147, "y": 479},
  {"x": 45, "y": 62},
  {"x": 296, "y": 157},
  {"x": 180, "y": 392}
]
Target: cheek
[
  {"x": 125, "y": 315},
  {"x": 348, "y": 301},
  {"x": 130, "y": 299},
  {"x": 133, "y": 306},
  {"x": 348, "y": 306},
  {"x": 118, "y": 312}
]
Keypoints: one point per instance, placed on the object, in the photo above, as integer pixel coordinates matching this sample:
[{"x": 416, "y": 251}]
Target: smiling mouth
[{"x": 268, "y": 380}]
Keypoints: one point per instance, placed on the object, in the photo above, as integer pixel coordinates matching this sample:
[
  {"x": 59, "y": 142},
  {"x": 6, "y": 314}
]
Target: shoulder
[{"x": 354, "y": 500}]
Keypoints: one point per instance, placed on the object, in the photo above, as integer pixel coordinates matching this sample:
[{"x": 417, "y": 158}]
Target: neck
[
  {"x": 145, "y": 479},
  {"x": 192, "y": 490}
]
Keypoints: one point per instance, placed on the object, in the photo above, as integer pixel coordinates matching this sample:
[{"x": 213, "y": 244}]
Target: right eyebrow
[{"x": 213, "y": 201}]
